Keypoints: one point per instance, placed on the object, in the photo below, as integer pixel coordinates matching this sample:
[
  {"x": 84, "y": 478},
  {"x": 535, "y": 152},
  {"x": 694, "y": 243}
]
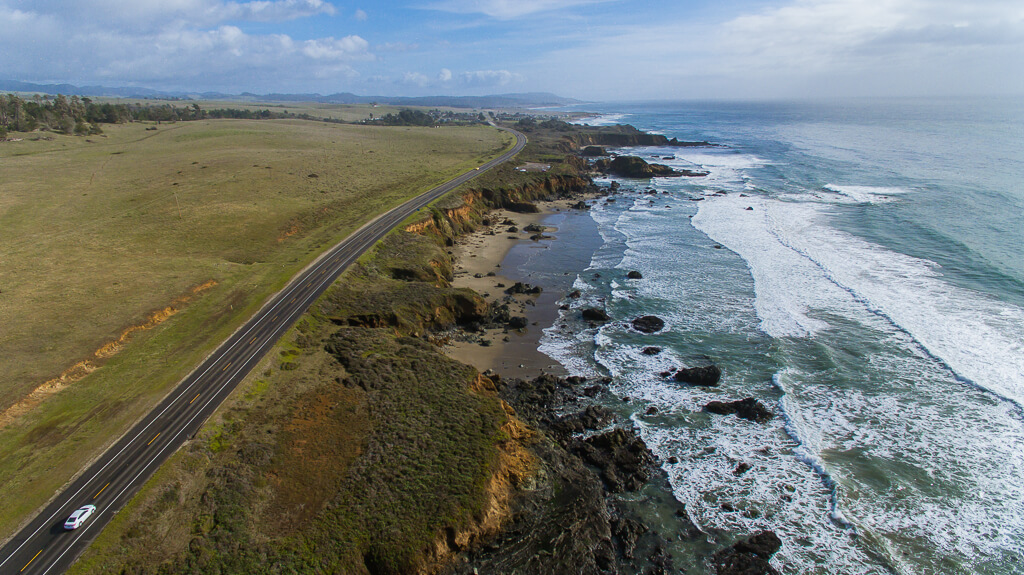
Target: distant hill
[{"x": 528, "y": 100}]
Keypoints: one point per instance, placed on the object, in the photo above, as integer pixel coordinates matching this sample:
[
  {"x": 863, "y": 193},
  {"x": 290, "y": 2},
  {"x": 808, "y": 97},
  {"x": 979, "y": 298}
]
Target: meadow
[{"x": 126, "y": 257}]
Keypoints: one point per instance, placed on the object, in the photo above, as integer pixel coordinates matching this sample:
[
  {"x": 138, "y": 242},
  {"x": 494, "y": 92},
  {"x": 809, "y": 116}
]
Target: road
[{"x": 43, "y": 547}]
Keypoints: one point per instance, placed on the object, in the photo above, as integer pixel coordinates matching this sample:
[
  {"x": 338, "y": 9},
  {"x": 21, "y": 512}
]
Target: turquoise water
[{"x": 859, "y": 268}]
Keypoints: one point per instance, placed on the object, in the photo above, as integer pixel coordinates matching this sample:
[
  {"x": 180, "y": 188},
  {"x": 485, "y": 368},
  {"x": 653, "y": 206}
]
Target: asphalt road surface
[{"x": 44, "y": 547}]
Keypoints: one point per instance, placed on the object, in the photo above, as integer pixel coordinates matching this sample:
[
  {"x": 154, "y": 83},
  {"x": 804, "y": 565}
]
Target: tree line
[{"x": 83, "y": 116}]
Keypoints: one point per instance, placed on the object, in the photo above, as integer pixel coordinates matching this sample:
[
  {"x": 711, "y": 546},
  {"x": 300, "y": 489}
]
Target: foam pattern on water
[{"x": 880, "y": 459}]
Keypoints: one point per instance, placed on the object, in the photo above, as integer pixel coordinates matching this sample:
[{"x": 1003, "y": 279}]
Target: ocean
[{"x": 858, "y": 268}]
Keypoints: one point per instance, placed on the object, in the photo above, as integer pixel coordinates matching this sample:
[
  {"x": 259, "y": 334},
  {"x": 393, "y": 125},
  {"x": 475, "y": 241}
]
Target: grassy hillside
[{"x": 124, "y": 258}]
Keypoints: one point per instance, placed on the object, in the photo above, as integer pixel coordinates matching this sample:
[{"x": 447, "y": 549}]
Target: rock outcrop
[
  {"x": 748, "y": 408},
  {"x": 748, "y": 557},
  {"x": 648, "y": 324},
  {"x": 707, "y": 376}
]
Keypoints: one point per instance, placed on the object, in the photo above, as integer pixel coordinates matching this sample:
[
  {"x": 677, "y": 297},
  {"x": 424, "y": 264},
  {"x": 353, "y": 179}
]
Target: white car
[{"x": 79, "y": 516}]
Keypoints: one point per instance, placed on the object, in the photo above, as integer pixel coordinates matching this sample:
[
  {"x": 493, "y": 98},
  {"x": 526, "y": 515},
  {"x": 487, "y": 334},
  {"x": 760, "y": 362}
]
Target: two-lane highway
[{"x": 44, "y": 547}]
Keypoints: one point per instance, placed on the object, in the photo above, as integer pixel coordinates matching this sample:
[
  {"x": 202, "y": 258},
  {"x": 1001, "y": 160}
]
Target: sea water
[{"x": 856, "y": 266}]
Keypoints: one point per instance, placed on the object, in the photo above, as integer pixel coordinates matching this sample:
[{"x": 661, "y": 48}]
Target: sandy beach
[{"x": 510, "y": 352}]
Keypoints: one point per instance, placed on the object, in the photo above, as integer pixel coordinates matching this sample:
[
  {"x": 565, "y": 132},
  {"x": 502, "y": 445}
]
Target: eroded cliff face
[{"x": 447, "y": 223}]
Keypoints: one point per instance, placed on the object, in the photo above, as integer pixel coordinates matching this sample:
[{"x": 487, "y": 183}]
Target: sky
[{"x": 595, "y": 50}]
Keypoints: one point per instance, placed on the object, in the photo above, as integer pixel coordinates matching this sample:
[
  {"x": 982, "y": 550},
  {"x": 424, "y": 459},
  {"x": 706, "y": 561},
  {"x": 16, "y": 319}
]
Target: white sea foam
[
  {"x": 799, "y": 263},
  {"x": 824, "y": 433},
  {"x": 866, "y": 194},
  {"x": 601, "y": 120}
]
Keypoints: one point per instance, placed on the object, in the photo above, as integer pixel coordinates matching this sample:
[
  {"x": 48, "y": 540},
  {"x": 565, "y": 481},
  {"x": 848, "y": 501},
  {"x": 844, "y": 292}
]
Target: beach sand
[{"x": 511, "y": 353}]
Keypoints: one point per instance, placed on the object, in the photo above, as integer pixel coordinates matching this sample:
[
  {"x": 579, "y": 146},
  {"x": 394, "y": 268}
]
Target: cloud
[
  {"x": 415, "y": 79},
  {"x": 164, "y": 49},
  {"x": 155, "y": 14},
  {"x": 343, "y": 49},
  {"x": 489, "y": 78},
  {"x": 802, "y": 48},
  {"x": 361, "y": 15},
  {"x": 445, "y": 75},
  {"x": 507, "y": 9}
]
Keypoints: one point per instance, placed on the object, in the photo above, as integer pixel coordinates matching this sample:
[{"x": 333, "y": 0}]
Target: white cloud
[
  {"x": 507, "y": 9},
  {"x": 415, "y": 79},
  {"x": 804, "y": 48},
  {"x": 361, "y": 15},
  {"x": 152, "y": 14},
  {"x": 342, "y": 49},
  {"x": 489, "y": 78},
  {"x": 445, "y": 75}
]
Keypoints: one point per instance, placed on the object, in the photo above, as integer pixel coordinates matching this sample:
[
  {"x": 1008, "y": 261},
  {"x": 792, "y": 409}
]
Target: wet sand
[{"x": 511, "y": 353}]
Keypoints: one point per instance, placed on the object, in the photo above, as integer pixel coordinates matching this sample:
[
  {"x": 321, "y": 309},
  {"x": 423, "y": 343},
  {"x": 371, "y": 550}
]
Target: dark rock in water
[
  {"x": 622, "y": 457},
  {"x": 592, "y": 151},
  {"x": 594, "y": 314},
  {"x": 521, "y": 288},
  {"x": 538, "y": 237},
  {"x": 513, "y": 230},
  {"x": 749, "y": 209},
  {"x": 648, "y": 324},
  {"x": 634, "y": 167},
  {"x": 575, "y": 294},
  {"x": 594, "y": 390},
  {"x": 627, "y": 531},
  {"x": 651, "y": 410},
  {"x": 748, "y": 557},
  {"x": 742, "y": 468},
  {"x": 665, "y": 374},
  {"x": 717, "y": 246},
  {"x": 749, "y": 409},
  {"x": 564, "y": 307},
  {"x": 517, "y": 322},
  {"x": 635, "y": 275},
  {"x": 594, "y": 417},
  {"x": 694, "y": 173},
  {"x": 673, "y": 459},
  {"x": 613, "y": 186},
  {"x": 651, "y": 350},
  {"x": 705, "y": 376},
  {"x": 580, "y": 205},
  {"x": 533, "y": 228}
]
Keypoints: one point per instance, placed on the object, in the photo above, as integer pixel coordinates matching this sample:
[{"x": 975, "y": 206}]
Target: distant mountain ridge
[{"x": 527, "y": 100}]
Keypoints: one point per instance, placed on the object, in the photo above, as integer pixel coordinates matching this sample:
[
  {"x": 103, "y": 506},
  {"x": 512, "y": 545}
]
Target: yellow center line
[
  {"x": 253, "y": 339},
  {"x": 322, "y": 272},
  {"x": 101, "y": 490},
  {"x": 154, "y": 439},
  {"x": 225, "y": 368},
  {"x": 194, "y": 398},
  {"x": 275, "y": 317},
  {"x": 293, "y": 299},
  {"x": 30, "y": 561},
  {"x": 309, "y": 284}
]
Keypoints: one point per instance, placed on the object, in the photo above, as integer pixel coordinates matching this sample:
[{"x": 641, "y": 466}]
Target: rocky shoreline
[{"x": 582, "y": 512}]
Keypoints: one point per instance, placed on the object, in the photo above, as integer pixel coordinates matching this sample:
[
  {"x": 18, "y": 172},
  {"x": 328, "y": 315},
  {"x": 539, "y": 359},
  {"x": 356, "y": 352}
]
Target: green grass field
[{"x": 98, "y": 233}]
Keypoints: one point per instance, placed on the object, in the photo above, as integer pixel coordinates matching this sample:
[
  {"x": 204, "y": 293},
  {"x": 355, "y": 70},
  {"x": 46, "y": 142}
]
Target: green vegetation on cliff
[
  {"x": 128, "y": 256},
  {"x": 356, "y": 446}
]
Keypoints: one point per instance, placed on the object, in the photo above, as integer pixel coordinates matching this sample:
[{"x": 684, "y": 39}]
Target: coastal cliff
[
  {"x": 361, "y": 448},
  {"x": 623, "y": 136}
]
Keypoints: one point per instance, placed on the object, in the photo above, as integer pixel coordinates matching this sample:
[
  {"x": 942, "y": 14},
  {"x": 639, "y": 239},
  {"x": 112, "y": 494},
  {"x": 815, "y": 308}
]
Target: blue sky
[{"x": 587, "y": 49}]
